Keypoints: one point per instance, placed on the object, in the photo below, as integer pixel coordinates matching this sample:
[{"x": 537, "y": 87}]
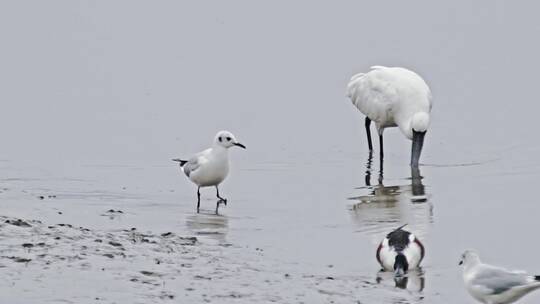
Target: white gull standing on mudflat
[{"x": 211, "y": 166}]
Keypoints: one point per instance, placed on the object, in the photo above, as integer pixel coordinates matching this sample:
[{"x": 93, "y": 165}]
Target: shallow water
[{"x": 91, "y": 117}]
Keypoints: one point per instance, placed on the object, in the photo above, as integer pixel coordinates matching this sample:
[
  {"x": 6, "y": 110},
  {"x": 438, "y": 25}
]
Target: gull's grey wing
[
  {"x": 498, "y": 280},
  {"x": 194, "y": 162},
  {"x": 191, "y": 165}
]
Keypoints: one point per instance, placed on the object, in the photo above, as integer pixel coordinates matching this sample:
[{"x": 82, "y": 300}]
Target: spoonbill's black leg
[
  {"x": 198, "y": 198},
  {"x": 381, "y": 144},
  {"x": 368, "y": 123},
  {"x": 381, "y": 171}
]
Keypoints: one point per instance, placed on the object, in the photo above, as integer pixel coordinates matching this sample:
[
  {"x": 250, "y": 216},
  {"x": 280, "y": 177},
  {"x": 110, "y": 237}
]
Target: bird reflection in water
[
  {"x": 412, "y": 281},
  {"x": 381, "y": 206},
  {"x": 210, "y": 225}
]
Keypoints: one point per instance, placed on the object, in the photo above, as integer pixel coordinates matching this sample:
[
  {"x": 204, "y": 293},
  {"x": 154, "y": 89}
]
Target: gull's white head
[
  {"x": 226, "y": 140},
  {"x": 469, "y": 257}
]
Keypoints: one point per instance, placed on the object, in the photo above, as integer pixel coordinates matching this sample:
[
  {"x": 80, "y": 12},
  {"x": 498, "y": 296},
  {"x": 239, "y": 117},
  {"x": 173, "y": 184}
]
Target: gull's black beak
[
  {"x": 417, "y": 144},
  {"x": 460, "y": 263},
  {"x": 240, "y": 145}
]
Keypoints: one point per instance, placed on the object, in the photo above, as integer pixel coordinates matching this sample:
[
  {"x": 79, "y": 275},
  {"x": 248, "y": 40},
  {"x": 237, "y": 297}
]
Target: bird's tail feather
[
  {"x": 181, "y": 161},
  {"x": 537, "y": 278}
]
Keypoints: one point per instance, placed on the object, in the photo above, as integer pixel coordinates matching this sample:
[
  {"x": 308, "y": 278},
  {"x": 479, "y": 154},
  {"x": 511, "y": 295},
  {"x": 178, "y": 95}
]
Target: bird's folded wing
[
  {"x": 196, "y": 161},
  {"x": 497, "y": 280},
  {"x": 371, "y": 88},
  {"x": 192, "y": 165}
]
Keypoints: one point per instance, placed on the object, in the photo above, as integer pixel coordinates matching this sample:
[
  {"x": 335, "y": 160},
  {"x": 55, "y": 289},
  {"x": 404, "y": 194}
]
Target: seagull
[
  {"x": 393, "y": 96},
  {"x": 211, "y": 166},
  {"x": 400, "y": 251},
  {"x": 494, "y": 285}
]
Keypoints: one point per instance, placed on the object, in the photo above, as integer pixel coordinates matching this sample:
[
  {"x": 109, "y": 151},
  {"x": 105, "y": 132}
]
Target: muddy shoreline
[{"x": 51, "y": 263}]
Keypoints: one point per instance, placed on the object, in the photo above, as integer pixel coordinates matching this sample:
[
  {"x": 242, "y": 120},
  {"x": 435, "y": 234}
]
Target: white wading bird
[
  {"x": 494, "y": 285},
  {"x": 211, "y": 166},
  {"x": 393, "y": 97},
  {"x": 400, "y": 251}
]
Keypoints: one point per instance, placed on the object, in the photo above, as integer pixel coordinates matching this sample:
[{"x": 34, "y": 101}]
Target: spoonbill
[
  {"x": 393, "y": 96},
  {"x": 211, "y": 166}
]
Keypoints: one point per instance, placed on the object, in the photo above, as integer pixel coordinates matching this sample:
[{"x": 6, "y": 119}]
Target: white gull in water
[
  {"x": 392, "y": 96},
  {"x": 211, "y": 166},
  {"x": 494, "y": 285}
]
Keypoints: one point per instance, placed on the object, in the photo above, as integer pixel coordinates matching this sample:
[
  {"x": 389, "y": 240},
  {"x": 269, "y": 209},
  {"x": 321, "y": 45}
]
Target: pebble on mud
[
  {"x": 114, "y": 211},
  {"x": 19, "y": 259},
  {"x": 18, "y": 222},
  {"x": 151, "y": 273},
  {"x": 189, "y": 240},
  {"x": 166, "y": 296}
]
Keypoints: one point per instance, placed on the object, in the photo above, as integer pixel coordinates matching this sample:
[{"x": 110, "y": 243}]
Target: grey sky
[{"x": 111, "y": 80}]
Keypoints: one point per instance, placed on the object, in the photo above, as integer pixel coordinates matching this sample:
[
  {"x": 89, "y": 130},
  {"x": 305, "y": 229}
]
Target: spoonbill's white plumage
[
  {"x": 400, "y": 251},
  {"x": 494, "y": 285},
  {"x": 211, "y": 166},
  {"x": 390, "y": 97}
]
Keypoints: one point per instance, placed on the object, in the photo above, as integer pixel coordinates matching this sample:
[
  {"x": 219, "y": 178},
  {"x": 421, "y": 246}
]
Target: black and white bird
[
  {"x": 494, "y": 285},
  {"x": 400, "y": 251},
  {"x": 390, "y": 97},
  {"x": 211, "y": 166}
]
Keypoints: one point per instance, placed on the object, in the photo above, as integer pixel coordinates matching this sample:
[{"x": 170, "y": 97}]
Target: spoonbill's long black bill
[{"x": 417, "y": 144}]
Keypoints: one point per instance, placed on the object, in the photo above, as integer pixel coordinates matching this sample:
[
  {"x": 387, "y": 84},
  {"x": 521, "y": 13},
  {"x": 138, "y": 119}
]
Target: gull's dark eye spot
[
  {"x": 220, "y": 139},
  {"x": 228, "y": 139}
]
